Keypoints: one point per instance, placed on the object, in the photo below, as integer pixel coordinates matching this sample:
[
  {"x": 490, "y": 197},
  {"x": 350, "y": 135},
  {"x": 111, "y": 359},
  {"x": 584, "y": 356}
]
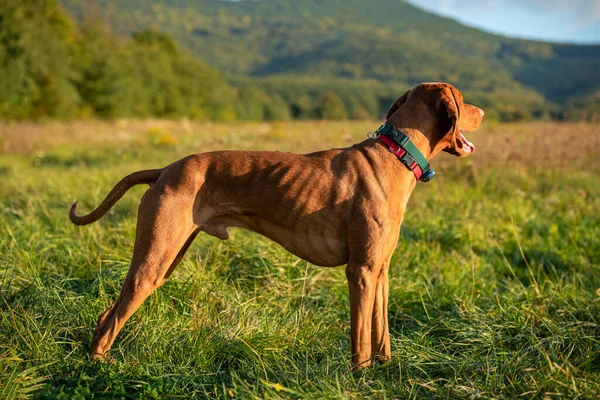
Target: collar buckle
[{"x": 408, "y": 160}]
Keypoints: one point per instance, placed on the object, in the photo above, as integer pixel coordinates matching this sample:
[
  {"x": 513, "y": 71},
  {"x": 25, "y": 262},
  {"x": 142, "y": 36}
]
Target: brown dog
[{"x": 334, "y": 207}]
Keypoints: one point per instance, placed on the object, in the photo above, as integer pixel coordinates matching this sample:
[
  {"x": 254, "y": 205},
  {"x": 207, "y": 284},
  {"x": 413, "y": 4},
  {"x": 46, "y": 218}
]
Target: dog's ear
[
  {"x": 397, "y": 104},
  {"x": 449, "y": 108}
]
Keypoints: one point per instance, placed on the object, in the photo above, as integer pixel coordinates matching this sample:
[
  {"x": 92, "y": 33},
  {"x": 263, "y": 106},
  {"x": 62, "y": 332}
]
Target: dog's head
[{"x": 438, "y": 111}]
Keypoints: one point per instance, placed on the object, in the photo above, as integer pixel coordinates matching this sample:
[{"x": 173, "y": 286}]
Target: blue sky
[{"x": 551, "y": 20}]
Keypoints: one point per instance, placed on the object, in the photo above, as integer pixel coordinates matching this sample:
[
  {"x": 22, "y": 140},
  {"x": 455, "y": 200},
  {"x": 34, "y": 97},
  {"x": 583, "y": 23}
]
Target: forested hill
[
  {"x": 389, "y": 41},
  {"x": 273, "y": 59}
]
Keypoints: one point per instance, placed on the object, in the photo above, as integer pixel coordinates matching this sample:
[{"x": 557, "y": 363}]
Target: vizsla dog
[{"x": 334, "y": 207}]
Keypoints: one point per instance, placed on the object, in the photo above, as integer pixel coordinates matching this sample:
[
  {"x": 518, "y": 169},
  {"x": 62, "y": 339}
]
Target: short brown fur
[{"x": 334, "y": 207}]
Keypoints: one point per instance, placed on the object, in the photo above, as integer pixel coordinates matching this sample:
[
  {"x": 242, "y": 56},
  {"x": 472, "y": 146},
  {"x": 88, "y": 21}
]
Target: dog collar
[{"x": 406, "y": 151}]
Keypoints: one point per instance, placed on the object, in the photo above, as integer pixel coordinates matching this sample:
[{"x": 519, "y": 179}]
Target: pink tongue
[{"x": 471, "y": 146}]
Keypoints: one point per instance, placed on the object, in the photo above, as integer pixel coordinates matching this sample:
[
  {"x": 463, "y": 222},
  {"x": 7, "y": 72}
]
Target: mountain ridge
[{"x": 388, "y": 41}]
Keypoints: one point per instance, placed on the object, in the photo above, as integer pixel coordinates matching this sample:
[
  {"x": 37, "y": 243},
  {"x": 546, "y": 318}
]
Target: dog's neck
[
  {"x": 420, "y": 140},
  {"x": 423, "y": 132}
]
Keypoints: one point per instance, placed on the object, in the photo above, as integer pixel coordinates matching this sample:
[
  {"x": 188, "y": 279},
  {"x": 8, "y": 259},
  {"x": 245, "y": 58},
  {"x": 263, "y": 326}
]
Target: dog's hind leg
[
  {"x": 163, "y": 235},
  {"x": 181, "y": 253}
]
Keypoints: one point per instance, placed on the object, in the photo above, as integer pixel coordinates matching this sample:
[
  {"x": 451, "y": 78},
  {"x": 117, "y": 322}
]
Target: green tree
[
  {"x": 152, "y": 37},
  {"x": 250, "y": 103},
  {"x": 101, "y": 79},
  {"x": 276, "y": 109},
  {"x": 331, "y": 107},
  {"x": 303, "y": 107},
  {"x": 35, "y": 60}
]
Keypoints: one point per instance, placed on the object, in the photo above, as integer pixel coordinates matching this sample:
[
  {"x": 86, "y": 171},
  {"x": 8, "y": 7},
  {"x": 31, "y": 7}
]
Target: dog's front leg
[
  {"x": 362, "y": 282},
  {"x": 380, "y": 336}
]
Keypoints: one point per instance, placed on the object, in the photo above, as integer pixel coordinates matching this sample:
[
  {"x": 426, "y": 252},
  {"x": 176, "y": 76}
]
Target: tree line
[{"x": 51, "y": 68}]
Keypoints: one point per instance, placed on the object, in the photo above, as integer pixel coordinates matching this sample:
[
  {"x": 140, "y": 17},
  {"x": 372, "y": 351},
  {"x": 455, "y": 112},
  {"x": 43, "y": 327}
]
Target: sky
[{"x": 573, "y": 21}]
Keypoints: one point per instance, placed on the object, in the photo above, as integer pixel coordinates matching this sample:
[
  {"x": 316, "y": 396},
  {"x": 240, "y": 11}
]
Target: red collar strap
[{"x": 407, "y": 158}]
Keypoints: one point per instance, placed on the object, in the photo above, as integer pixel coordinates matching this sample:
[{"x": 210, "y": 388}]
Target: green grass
[{"x": 494, "y": 287}]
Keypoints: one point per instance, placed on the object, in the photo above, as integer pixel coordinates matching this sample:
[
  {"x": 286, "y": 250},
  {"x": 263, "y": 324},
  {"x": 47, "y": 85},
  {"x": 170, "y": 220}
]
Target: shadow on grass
[
  {"x": 84, "y": 158},
  {"x": 75, "y": 160},
  {"x": 449, "y": 237},
  {"x": 201, "y": 374},
  {"x": 94, "y": 379}
]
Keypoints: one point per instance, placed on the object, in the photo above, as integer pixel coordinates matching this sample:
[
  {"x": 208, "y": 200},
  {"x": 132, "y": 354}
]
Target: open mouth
[{"x": 467, "y": 147}]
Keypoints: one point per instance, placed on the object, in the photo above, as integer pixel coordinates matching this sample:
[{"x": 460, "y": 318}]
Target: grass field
[{"x": 494, "y": 287}]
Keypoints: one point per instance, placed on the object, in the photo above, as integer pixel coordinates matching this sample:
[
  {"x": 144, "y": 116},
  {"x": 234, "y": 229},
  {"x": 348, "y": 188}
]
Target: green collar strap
[{"x": 406, "y": 151}]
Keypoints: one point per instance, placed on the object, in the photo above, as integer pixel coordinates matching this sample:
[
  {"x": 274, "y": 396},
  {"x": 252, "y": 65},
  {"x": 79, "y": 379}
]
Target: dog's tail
[{"x": 148, "y": 176}]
